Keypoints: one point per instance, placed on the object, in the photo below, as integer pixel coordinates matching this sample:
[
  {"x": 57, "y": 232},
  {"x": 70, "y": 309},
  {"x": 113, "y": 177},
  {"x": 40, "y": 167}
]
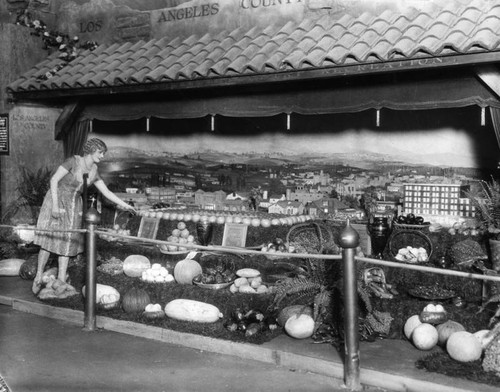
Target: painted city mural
[{"x": 331, "y": 175}]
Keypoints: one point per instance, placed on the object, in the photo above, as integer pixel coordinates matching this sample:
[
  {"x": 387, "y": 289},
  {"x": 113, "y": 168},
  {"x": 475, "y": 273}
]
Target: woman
[{"x": 62, "y": 208}]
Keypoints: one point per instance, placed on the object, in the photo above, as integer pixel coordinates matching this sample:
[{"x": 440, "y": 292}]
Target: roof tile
[{"x": 452, "y": 28}]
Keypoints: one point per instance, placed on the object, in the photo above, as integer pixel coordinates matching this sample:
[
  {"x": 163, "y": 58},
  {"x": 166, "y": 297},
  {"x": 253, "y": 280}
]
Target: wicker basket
[
  {"x": 311, "y": 237},
  {"x": 404, "y": 226},
  {"x": 403, "y": 238}
]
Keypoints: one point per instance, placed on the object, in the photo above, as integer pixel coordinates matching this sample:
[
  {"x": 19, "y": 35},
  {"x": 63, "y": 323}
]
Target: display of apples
[{"x": 180, "y": 235}]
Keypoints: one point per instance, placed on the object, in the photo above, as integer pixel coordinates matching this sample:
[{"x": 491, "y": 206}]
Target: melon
[
  {"x": 446, "y": 329},
  {"x": 411, "y": 324},
  {"x": 293, "y": 310},
  {"x": 463, "y": 346},
  {"x": 10, "y": 267},
  {"x": 300, "y": 326},
  {"x": 134, "y": 265},
  {"x": 425, "y": 336}
]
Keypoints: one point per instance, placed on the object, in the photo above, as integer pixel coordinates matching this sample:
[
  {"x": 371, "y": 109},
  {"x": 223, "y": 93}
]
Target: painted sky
[{"x": 449, "y": 147}]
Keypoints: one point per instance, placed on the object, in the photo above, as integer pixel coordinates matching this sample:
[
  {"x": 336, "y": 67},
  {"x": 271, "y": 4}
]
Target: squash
[
  {"x": 103, "y": 290},
  {"x": 446, "y": 329},
  {"x": 10, "y": 267},
  {"x": 134, "y": 265},
  {"x": 190, "y": 310},
  {"x": 135, "y": 300},
  {"x": 463, "y": 346},
  {"x": 28, "y": 269},
  {"x": 292, "y": 310},
  {"x": 485, "y": 336},
  {"x": 186, "y": 270},
  {"x": 300, "y": 326}
]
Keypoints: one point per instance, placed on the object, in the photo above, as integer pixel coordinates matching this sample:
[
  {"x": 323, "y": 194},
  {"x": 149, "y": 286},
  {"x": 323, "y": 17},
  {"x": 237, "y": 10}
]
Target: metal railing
[{"x": 349, "y": 241}]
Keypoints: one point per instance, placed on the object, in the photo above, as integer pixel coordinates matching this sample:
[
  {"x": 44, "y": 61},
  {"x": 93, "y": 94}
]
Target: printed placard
[
  {"x": 235, "y": 235},
  {"x": 4, "y": 134},
  {"x": 148, "y": 228}
]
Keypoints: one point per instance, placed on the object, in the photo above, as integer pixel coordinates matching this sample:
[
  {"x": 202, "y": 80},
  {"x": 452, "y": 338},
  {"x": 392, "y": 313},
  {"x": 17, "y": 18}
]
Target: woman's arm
[
  {"x": 101, "y": 186},
  {"x": 54, "y": 184}
]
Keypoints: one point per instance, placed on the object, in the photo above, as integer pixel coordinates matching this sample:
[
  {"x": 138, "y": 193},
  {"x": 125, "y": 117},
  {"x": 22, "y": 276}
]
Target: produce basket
[
  {"x": 413, "y": 238},
  {"x": 408, "y": 227},
  {"x": 311, "y": 237},
  {"x": 213, "y": 286}
]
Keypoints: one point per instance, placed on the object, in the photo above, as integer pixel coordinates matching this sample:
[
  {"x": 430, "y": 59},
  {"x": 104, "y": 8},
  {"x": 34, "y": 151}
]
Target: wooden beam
[
  {"x": 490, "y": 75},
  {"x": 66, "y": 119}
]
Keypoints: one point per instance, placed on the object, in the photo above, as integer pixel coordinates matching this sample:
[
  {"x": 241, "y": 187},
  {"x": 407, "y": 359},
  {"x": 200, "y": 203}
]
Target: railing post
[
  {"x": 92, "y": 219},
  {"x": 349, "y": 241}
]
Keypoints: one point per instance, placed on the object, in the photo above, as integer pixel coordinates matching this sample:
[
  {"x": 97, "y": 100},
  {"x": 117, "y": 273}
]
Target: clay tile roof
[{"x": 456, "y": 27}]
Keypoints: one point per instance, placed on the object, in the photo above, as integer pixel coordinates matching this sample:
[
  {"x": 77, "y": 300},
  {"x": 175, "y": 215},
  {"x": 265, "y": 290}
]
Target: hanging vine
[{"x": 68, "y": 47}]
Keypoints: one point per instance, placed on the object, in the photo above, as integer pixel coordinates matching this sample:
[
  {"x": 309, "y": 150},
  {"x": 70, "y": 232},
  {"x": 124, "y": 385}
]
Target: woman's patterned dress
[{"x": 69, "y": 193}]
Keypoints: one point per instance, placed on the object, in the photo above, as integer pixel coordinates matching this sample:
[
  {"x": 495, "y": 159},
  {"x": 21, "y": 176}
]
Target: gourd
[
  {"x": 446, "y": 329},
  {"x": 485, "y": 336},
  {"x": 134, "y": 265},
  {"x": 425, "y": 336},
  {"x": 292, "y": 310},
  {"x": 103, "y": 290},
  {"x": 135, "y": 300},
  {"x": 10, "y": 267},
  {"x": 463, "y": 346},
  {"x": 28, "y": 269},
  {"x": 191, "y": 310},
  {"x": 186, "y": 270},
  {"x": 300, "y": 326}
]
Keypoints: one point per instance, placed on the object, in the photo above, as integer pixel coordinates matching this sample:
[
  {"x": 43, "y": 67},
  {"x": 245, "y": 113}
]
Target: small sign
[
  {"x": 235, "y": 235},
  {"x": 148, "y": 228},
  {"x": 4, "y": 134}
]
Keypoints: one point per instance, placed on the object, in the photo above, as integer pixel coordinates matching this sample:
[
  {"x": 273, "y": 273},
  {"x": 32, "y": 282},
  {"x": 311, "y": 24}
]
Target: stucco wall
[{"x": 32, "y": 143}]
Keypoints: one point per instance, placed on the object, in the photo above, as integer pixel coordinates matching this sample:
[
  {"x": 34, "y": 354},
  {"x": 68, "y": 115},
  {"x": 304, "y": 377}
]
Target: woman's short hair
[{"x": 93, "y": 145}]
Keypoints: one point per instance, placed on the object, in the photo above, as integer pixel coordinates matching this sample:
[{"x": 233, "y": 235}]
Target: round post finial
[
  {"x": 92, "y": 216},
  {"x": 349, "y": 238}
]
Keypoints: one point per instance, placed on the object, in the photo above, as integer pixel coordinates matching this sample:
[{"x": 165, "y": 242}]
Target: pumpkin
[
  {"x": 292, "y": 310},
  {"x": 191, "y": 310},
  {"x": 424, "y": 336},
  {"x": 103, "y": 290},
  {"x": 463, "y": 346},
  {"x": 10, "y": 267},
  {"x": 186, "y": 270},
  {"x": 300, "y": 326},
  {"x": 134, "y": 265},
  {"x": 135, "y": 300},
  {"x": 411, "y": 324},
  {"x": 28, "y": 269},
  {"x": 446, "y": 329}
]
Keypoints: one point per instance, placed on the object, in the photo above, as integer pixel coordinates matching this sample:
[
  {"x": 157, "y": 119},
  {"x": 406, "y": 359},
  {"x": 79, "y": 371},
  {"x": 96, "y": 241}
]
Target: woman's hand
[{"x": 128, "y": 208}]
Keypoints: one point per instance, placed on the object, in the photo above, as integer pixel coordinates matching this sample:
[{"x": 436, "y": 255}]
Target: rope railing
[{"x": 349, "y": 241}]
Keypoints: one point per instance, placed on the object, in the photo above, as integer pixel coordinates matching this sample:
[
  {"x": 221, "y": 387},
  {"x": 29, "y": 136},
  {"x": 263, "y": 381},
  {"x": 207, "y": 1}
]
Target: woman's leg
[
  {"x": 63, "y": 268},
  {"x": 43, "y": 257}
]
